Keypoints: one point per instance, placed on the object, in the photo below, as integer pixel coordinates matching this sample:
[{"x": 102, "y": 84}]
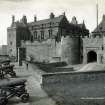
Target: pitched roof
[
  {"x": 55, "y": 19},
  {"x": 18, "y": 24},
  {"x": 101, "y": 26},
  {"x": 82, "y": 25}
]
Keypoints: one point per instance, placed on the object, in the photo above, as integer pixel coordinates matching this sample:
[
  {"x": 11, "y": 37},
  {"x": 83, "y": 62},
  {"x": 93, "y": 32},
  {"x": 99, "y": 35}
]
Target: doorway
[{"x": 91, "y": 57}]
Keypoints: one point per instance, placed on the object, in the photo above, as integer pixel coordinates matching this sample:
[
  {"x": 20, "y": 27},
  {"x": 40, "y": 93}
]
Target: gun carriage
[
  {"x": 11, "y": 88},
  {"x": 6, "y": 69},
  {"x": 5, "y": 62}
]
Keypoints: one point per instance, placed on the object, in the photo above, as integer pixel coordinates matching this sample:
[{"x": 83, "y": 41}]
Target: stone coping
[{"x": 74, "y": 72}]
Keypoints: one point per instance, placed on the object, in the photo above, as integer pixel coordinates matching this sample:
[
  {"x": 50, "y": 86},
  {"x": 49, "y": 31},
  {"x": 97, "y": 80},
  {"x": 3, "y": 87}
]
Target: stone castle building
[{"x": 48, "y": 40}]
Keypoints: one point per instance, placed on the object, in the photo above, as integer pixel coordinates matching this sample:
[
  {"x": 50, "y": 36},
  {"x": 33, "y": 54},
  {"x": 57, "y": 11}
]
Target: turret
[
  {"x": 74, "y": 20},
  {"x": 64, "y": 13}
]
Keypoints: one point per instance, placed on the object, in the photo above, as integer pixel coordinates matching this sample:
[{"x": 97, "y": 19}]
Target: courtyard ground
[
  {"x": 33, "y": 75},
  {"x": 37, "y": 94}
]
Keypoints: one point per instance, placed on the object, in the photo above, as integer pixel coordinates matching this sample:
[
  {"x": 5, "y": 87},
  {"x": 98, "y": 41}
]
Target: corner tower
[{"x": 17, "y": 32}]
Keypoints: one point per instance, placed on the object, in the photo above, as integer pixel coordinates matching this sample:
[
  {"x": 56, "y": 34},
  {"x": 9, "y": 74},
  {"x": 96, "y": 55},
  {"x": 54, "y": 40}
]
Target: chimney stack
[
  {"x": 35, "y": 18},
  {"x": 13, "y": 19},
  {"x": 52, "y": 15},
  {"x": 24, "y": 19}
]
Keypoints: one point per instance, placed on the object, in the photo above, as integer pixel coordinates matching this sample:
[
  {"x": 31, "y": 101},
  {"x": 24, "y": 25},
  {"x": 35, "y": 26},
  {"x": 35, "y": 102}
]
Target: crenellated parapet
[{"x": 93, "y": 41}]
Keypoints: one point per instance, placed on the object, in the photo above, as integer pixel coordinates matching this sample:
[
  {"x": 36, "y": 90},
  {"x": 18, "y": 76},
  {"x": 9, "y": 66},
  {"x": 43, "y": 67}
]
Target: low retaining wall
[
  {"x": 76, "y": 88},
  {"x": 52, "y": 67}
]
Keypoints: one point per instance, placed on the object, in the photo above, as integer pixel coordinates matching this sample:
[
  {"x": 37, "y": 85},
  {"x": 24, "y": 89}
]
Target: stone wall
[
  {"x": 93, "y": 44},
  {"x": 42, "y": 51},
  {"x": 70, "y": 49},
  {"x": 4, "y": 50},
  {"x": 65, "y": 88}
]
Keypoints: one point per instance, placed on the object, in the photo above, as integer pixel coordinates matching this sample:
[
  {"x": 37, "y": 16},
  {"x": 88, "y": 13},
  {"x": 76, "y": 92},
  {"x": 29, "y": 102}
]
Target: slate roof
[
  {"x": 101, "y": 26},
  {"x": 18, "y": 24},
  {"x": 54, "y": 20},
  {"x": 77, "y": 26},
  {"x": 82, "y": 26}
]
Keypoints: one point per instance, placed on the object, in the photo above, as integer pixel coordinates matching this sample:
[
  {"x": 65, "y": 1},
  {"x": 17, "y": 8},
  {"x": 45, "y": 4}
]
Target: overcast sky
[{"x": 82, "y": 9}]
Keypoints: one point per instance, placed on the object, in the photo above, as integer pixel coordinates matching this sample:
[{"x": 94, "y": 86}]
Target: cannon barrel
[{"x": 10, "y": 83}]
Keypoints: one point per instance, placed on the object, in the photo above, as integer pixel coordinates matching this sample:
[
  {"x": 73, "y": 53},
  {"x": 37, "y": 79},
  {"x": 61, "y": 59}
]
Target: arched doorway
[{"x": 91, "y": 56}]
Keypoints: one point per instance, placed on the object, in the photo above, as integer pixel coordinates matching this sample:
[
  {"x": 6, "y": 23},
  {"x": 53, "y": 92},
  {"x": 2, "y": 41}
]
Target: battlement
[
  {"x": 91, "y": 37},
  {"x": 86, "y": 38},
  {"x": 92, "y": 41}
]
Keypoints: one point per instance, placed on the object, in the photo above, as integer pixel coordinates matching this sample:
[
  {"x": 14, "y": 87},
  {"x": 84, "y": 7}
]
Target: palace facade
[{"x": 52, "y": 39}]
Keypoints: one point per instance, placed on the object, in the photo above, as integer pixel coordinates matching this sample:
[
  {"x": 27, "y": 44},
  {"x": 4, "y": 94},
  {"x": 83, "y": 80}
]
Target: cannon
[
  {"x": 11, "y": 88},
  {"x": 7, "y": 70},
  {"x": 5, "y": 62}
]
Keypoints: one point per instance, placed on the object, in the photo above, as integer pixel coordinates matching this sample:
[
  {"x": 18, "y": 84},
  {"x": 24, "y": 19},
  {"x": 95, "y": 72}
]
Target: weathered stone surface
[
  {"x": 70, "y": 49},
  {"x": 45, "y": 38},
  {"x": 68, "y": 87}
]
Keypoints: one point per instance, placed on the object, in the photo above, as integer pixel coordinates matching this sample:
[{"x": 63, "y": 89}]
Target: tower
[{"x": 70, "y": 49}]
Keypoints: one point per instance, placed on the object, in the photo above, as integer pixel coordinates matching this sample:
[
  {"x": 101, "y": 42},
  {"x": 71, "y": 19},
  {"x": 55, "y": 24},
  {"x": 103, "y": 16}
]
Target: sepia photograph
[{"x": 52, "y": 52}]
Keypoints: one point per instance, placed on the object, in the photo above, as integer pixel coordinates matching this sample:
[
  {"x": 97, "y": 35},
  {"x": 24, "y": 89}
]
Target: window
[
  {"x": 35, "y": 35},
  {"x": 50, "y": 33},
  {"x": 10, "y": 43},
  {"x": 42, "y": 34},
  {"x": 32, "y": 27},
  {"x": 10, "y": 50}
]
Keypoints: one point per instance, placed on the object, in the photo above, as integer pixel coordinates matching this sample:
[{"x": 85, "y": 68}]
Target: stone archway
[{"x": 91, "y": 56}]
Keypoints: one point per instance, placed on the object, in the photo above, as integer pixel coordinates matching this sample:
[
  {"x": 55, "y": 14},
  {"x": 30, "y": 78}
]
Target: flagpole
[{"x": 97, "y": 15}]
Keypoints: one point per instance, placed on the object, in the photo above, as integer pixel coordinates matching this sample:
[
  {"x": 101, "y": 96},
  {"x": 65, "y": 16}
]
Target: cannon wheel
[
  {"x": 1, "y": 75},
  {"x": 24, "y": 97},
  {"x": 13, "y": 74},
  {"x": 3, "y": 101}
]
